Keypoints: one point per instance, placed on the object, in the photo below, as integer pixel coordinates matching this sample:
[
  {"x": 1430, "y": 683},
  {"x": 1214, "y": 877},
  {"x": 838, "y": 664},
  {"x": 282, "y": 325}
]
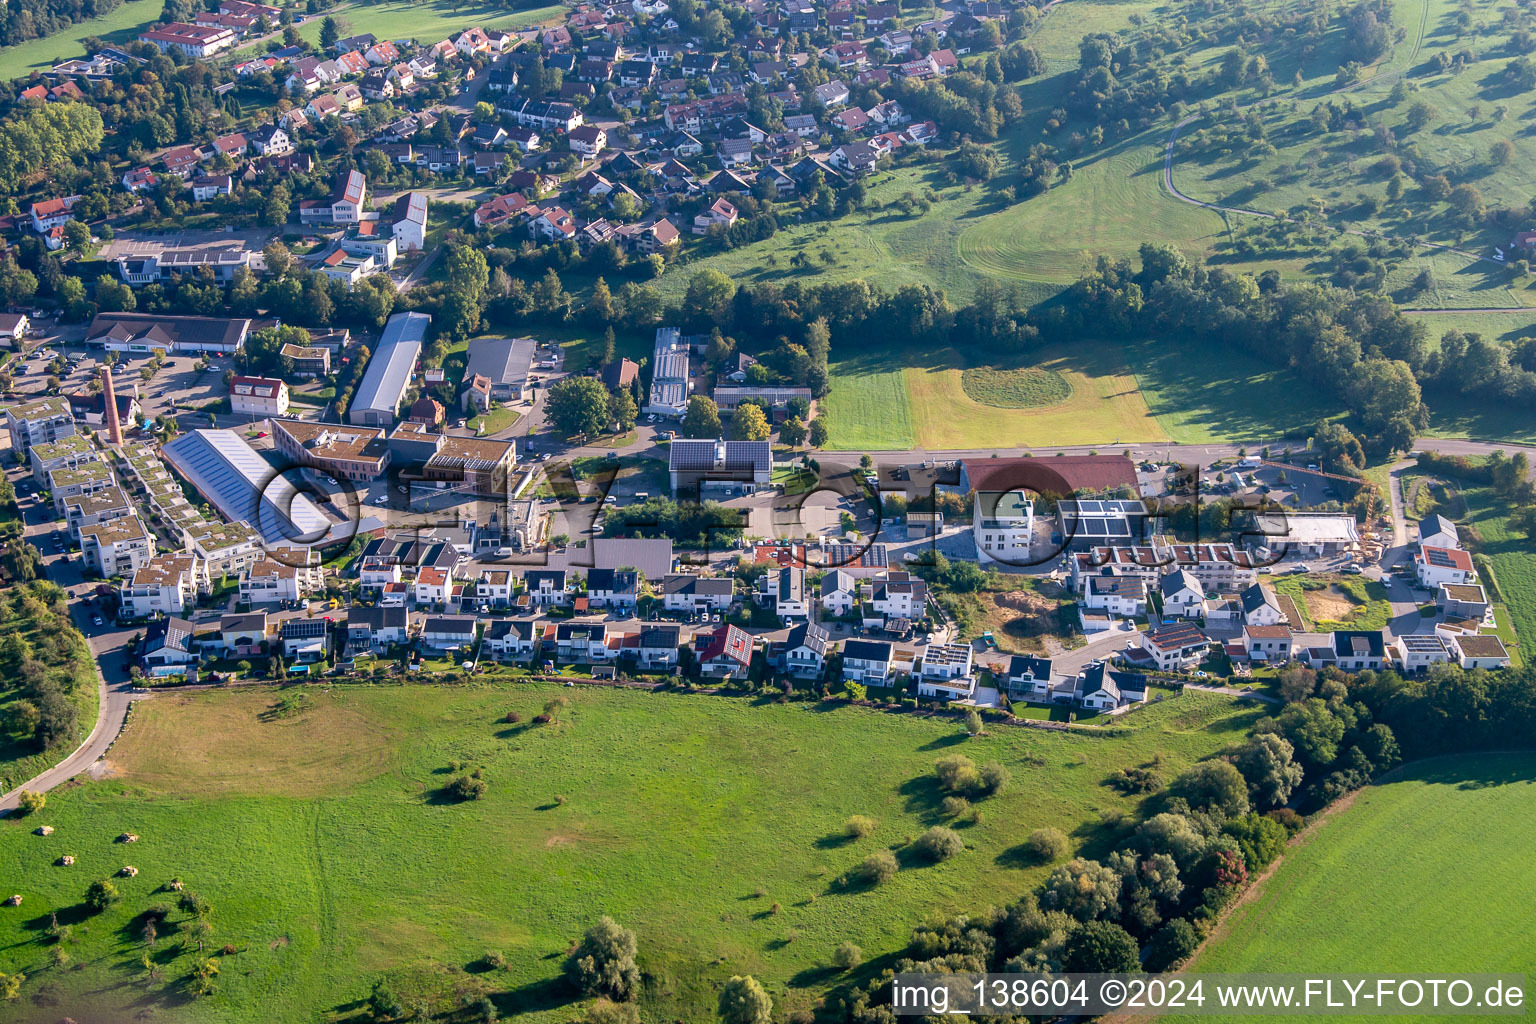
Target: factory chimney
[{"x": 114, "y": 428}]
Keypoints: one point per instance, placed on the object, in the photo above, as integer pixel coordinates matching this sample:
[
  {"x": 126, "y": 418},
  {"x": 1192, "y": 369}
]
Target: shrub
[
  {"x": 101, "y": 895},
  {"x": 859, "y": 826},
  {"x": 1133, "y": 781},
  {"x": 954, "y": 806},
  {"x": 994, "y": 778},
  {"x": 513, "y": 718},
  {"x": 604, "y": 962},
  {"x": 540, "y": 719},
  {"x": 467, "y": 787},
  {"x": 743, "y": 1001},
  {"x": 847, "y": 956},
  {"x": 492, "y": 959},
  {"x": 606, "y": 1012},
  {"x": 957, "y": 774},
  {"x": 1046, "y": 844},
  {"x": 30, "y": 803},
  {"x": 877, "y": 869},
  {"x": 1292, "y": 821},
  {"x": 973, "y": 722},
  {"x": 938, "y": 844}
]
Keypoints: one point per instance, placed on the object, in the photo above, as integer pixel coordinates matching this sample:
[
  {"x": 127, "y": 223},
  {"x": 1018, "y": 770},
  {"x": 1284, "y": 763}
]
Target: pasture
[
  {"x": 1331, "y": 907},
  {"x": 313, "y": 822}
]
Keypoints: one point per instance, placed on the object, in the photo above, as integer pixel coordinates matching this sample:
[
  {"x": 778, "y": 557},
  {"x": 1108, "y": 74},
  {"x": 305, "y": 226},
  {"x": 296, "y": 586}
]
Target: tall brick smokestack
[{"x": 114, "y": 428}]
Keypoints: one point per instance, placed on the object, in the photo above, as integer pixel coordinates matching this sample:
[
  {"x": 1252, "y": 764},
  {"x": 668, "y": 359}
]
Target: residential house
[
  {"x": 1358, "y": 650},
  {"x": 720, "y": 213},
  {"x": 258, "y": 396},
  {"x": 682, "y": 592},
  {"x": 548, "y": 587},
  {"x": 726, "y": 653},
  {"x": 655, "y": 647},
  {"x": 242, "y": 635},
  {"x": 615, "y": 589},
  {"x": 1439, "y": 566},
  {"x": 1483, "y": 650},
  {"x": 306, "y": 640},
  {"x": 1120, "y": 596},
  {"x": 946, "y": 671},
  {"x": 839, "y": 593},
  {"x": 168, "y": 646},
  {"x": 1436, "y": 531},
  {"x": 1418, "y": 651},
  {"x": 1099, "y": 688},
  {"x": 1003, "y": 524},
  {"x": 868, "y": 661},
  {"x": 803, "y": 652},
  {"x": 1174, "y": 647},
  {"x": 1261, "y": 607},
  {"x": 1027, "y": 678},
  {"x": 1270, "y": 644},
  {"x": 784, "y": 592},
  {"x": 1183, "y": 596},
  {"x": 433, "y": 587},
  {"x": 448, "y": 632},
  {"x": 513, "y": 639}
]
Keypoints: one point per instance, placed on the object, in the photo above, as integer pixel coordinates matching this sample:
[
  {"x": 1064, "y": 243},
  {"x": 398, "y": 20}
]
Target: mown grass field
[
  {"x": 119, "y": 26},
  {"x": 1112, "y": 204},
  {"x": 313, "y": 828},
  {"x": 428, "y": 21},
  {"x": 901, "y": 399},
  {"x": 1389, "y": 885}
]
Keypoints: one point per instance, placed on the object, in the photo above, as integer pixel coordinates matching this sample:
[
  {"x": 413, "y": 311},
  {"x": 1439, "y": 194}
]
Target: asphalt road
[{"x": 107, "y": 642}]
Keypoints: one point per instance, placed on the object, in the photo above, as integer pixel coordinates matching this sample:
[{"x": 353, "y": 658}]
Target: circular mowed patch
[{"x": 1024, "y": 387}]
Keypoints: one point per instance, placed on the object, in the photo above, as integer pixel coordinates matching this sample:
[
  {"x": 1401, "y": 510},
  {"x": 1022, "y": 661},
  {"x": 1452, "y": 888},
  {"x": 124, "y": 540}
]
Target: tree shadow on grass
[
  {"x": 946, "y": 741},
  {"x": 535, "y": 997},
  {"x": 813, "y": 977},
  {"x": 923, "y": 795},
  {"x": 1019, "y": 857},
  {"x": 1478, "y": 772},
  {"x": 834, "y": 841}
]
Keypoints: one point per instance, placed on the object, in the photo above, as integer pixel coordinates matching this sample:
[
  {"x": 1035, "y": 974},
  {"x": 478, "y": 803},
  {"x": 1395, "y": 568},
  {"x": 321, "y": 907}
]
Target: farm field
[
  {"x": 1329, "y": 907},
  {"x": 311, "y": 822},
  {"x": 119, "y": 26}
]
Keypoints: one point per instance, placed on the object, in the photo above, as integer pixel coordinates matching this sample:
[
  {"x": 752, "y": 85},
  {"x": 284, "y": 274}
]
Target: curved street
[{"x": 107, "y": 642}]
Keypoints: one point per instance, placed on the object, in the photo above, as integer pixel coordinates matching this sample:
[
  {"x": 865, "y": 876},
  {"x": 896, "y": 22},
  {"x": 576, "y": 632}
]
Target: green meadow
[
  {"x": 313, "y": 823},
  {"x": 1390, "y": 884}
]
